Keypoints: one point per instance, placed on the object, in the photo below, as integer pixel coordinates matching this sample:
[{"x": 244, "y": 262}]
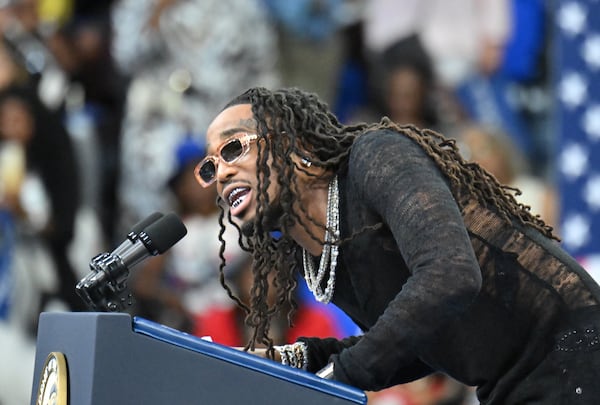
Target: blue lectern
[{"x": 112, "y": 358}]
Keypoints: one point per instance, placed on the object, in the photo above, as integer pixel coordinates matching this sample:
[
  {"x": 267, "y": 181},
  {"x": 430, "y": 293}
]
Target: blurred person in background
[
  {"x": 515, "y": 95},
  {"x": 50, "y": 164},
  {"x": 409, "y": 86},
  {"x": 488, "y": 58},
  {"x": 40, "y": 189},
  {"x": 352, "y": 95},
  {"x": 463, "y": 39},
  {"x": 39, "y": 196},
  {"x": 406, "y": 78},
  {"x": 40, "y": 39},
  {"x": 178, "y": 287},
  {"x": 226, "y": 325},
  {"x": 436, "y": 389},
  {"x": 184, "y": 60},
  {"x": 26, "y": 270},
  {"x": 309, "y": 31},
  {"x": 28, "y": 37},
  {"x": 496, "y": 152},
  {"x": 93, "y": 114}
]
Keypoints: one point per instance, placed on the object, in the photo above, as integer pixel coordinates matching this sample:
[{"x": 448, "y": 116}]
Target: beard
[{"x": 271, "y": 221}]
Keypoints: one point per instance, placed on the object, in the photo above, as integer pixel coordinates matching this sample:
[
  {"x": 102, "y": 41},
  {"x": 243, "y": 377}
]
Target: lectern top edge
[{"x": 240, "y": 358}]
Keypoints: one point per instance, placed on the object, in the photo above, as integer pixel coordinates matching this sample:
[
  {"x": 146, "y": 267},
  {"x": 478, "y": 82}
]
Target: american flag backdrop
[{"x": 577, "y": 80}]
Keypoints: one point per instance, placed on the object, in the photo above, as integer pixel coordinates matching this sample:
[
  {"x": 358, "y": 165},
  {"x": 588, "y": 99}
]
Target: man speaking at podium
[{"x": 435, "y": 260}]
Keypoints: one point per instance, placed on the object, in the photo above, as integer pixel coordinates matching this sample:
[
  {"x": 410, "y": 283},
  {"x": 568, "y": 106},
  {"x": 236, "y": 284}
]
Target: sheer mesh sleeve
[
  {"x": 321, "y": 350},
  {"x": 398, "y": 181}
]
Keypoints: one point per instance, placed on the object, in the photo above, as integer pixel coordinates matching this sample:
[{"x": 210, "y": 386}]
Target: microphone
[
  {"x": 103, "y": 288},
  {"x": 135, "y": 230}
]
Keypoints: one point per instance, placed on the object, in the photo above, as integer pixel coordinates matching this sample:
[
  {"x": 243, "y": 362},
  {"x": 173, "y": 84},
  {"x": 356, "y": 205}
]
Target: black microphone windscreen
[
  {"x": 149, "y": 220},
  {"x": 166, "y": 232}
]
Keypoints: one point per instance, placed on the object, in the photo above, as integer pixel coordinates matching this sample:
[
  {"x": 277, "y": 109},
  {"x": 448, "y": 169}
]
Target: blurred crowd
[{"x": 103, "y": 105}]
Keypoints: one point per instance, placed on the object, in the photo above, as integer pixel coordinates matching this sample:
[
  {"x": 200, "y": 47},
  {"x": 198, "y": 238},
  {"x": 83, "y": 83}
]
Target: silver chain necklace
[{"x": 329, "y": 254}]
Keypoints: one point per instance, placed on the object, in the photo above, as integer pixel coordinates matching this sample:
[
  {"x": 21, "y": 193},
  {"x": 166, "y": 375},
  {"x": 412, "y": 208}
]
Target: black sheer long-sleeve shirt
[{"x": 446, "y": 284}]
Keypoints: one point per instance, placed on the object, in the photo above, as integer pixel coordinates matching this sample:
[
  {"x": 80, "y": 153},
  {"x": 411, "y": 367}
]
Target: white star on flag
[
  {"x": 576, "y": 231},
  {"x": 591, "y": 122},
  {"x": 573, "y": 89},
  {"x": 591, "y": 51},
  {"x": 591, "y": 192},
  {"x": 573, "y": 161},
  {"x": 571, "y": 18},
  {"x": 592, "y": 264}
]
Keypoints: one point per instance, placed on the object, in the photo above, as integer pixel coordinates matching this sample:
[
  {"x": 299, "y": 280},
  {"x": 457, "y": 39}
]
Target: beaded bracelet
[{"x": 294, "y": 355}]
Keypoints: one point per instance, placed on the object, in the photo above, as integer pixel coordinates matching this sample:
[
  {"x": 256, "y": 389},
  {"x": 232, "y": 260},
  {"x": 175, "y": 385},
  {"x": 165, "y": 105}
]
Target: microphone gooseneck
[{"x": 104, "y": 288}]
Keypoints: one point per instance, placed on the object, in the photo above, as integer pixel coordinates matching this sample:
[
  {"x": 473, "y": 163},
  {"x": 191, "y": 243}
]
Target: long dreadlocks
[{"x": 296, "y": 123}]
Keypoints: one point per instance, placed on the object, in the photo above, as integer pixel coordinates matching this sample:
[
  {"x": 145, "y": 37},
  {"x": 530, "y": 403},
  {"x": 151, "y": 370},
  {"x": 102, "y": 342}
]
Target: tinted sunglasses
[{"x": 229, "y": 152}]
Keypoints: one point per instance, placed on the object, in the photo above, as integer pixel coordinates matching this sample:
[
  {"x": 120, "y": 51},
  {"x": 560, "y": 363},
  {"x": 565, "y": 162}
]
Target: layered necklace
[{"x": 329, "y": 254}]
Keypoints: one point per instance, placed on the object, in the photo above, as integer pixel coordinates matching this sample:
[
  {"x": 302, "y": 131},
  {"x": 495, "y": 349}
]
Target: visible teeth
[
  {"x": 237, "y": 202},
  {"x": 234, "y": 198}
]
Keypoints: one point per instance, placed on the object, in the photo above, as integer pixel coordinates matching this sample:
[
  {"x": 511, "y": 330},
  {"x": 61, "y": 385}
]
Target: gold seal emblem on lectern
[{"x": 52, "y": 389}]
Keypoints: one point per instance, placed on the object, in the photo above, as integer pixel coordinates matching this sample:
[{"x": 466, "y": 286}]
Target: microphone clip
[{"x": 104, "y": 289}]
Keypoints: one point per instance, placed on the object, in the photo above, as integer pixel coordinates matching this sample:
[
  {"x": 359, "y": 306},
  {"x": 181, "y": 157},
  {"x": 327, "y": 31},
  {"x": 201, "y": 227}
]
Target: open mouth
[{"x": 238, "y": 200}]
